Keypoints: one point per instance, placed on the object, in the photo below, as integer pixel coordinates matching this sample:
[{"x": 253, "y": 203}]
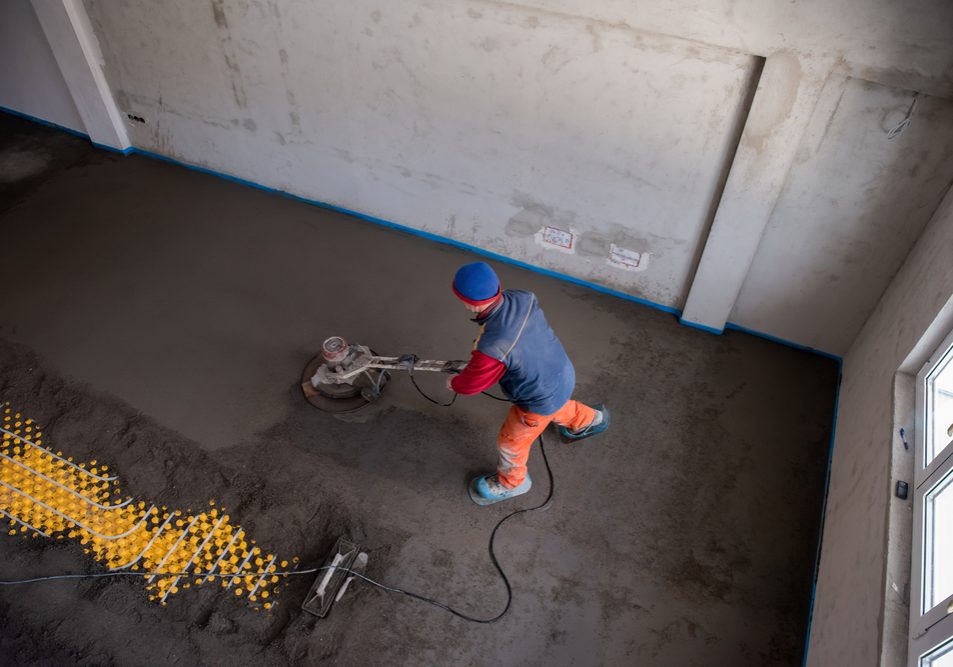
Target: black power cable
[
  {"x": 412, "y": 358},
  {"x": 496, "y": 563},
  {"x": 434, "y": 401}
]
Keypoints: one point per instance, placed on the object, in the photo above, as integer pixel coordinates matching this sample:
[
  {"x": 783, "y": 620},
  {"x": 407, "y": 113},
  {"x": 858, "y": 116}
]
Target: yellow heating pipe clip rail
[{"x": 44, "y": 493}]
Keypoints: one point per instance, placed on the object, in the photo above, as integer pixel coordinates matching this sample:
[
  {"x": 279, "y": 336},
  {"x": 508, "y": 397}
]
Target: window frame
[{"x": 933, "y": 628}]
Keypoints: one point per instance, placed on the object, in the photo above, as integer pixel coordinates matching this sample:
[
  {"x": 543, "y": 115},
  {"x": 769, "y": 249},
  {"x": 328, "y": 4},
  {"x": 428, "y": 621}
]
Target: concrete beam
[
  {"x": 877, "y": 40},
  {"x": 76, "y": 50},
  {"x": 785, "y": 98}
]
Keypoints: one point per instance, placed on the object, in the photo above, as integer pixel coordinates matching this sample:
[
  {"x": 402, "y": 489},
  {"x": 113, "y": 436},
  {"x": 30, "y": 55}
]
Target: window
[
  {"x": 942, "y": 656},
  {"x": 931, "y": 599}
]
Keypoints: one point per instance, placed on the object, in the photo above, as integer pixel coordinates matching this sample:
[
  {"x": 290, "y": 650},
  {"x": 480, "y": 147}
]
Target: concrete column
[
  {"x": 76, "y": 50},
  {"x": 782, "y": 106}
]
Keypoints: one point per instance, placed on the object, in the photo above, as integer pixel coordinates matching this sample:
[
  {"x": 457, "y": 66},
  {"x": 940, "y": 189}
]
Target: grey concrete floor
[{"x": 686, "y": 535}]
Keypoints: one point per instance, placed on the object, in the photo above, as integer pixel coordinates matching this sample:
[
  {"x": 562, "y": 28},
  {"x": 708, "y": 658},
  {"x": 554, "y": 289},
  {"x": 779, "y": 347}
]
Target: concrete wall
[
  {"x": 475, "y": 121},
  {"x": 30, "y": 80},
  {"x": 858, "y": 571},
  {"x": 487, "y": 121},
  {"x": 886, "y": 41},
  {"x": 853, "y": 205}
]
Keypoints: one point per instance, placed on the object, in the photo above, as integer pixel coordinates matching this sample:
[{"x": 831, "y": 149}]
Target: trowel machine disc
[{"x": 341, "y": 397}]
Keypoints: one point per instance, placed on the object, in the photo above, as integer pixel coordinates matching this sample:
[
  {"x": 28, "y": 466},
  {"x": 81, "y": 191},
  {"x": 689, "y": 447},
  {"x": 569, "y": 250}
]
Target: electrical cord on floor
[
  {"x": 496, "y": 563},
  {"x": 391, "y": 589}
]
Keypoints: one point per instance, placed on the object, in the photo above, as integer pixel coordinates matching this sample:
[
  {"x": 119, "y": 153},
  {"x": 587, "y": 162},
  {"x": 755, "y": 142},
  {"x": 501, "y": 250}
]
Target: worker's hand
[{"x": 450, "y": 383}]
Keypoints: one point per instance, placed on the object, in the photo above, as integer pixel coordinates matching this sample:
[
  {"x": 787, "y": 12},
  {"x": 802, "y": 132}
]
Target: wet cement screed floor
[{"x": 157, "y": 319}]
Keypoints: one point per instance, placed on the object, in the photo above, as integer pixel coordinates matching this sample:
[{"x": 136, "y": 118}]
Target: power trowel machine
[{"x": 346, "y": 377}]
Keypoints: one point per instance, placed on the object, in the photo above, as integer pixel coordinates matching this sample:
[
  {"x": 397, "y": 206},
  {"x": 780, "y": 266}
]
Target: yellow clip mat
[{"x": 44, "y": 493}]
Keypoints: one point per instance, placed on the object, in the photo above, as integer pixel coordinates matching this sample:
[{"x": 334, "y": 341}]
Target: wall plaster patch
[
  {"x": 628, "y": 260},
  {"x": 553, "y": 238}
]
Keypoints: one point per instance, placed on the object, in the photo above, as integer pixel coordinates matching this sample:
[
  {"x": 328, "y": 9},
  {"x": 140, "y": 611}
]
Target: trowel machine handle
[
  {"x": 364, "y": 363},
  {"x": 411, "y": 363},
  {"x": 345, "y": 376},
  {"x": 344, "y": 363}
]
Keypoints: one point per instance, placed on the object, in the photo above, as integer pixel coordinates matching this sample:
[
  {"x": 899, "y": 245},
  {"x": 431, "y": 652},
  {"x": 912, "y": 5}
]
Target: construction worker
[{"x": 517, "y": 348}]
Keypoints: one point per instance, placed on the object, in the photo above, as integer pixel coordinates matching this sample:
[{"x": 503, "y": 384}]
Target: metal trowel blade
[{"x": 330, "y": 578}]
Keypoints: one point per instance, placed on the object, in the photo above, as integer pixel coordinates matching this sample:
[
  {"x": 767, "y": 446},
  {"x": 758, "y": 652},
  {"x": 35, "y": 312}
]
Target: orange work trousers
[{"x": 520, "y": 431}]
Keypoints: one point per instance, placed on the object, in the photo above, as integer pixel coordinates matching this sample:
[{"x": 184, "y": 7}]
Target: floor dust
[{"x": 158, "y": 319}]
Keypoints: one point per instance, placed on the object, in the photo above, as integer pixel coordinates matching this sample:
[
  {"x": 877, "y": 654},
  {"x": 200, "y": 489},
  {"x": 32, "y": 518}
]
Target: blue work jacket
[{"x": 539, "y": 376}]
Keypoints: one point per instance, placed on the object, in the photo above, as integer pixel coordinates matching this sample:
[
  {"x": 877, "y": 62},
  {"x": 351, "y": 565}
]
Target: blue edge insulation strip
[{"x": 500, "y": 258}]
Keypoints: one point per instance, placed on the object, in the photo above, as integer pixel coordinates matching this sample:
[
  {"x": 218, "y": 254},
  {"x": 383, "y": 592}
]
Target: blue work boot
[
  {"x": 487, "y": 489},
  {"x": 598, "y": 425}
]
